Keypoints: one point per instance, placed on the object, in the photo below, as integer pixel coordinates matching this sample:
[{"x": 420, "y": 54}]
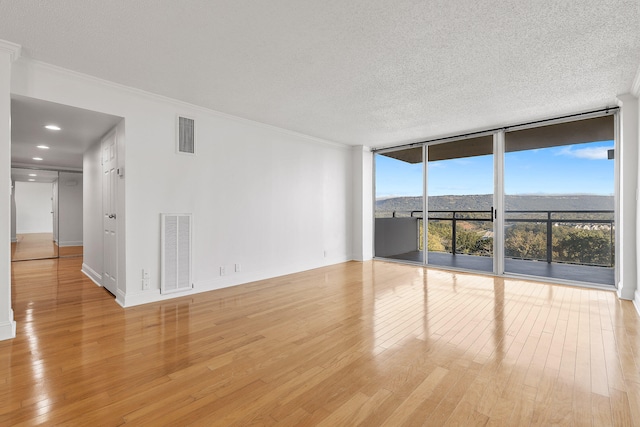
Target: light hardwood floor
[
  {"x": 33, "y": 246},
  {"x": 366, "y": 344},
  {"x": 40, "y": 245}
]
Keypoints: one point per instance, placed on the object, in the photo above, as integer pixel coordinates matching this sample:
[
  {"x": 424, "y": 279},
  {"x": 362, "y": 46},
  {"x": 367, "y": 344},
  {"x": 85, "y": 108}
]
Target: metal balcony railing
[
  {"x": 459, "y": 215},
  {"x": 544, "y": 218},
  {"x": 567, "y": 217}
]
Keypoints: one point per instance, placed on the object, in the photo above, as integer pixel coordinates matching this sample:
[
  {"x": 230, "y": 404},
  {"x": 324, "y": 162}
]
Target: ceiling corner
[
  {"x": 635, "y": 87},
  {"x": 13, "y": 49}
]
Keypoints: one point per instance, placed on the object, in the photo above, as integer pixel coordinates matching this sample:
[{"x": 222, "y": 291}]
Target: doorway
[{"x": 56, "y": 137}]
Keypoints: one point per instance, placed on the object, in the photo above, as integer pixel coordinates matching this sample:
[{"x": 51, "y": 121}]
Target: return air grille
[
  {"x": 175, "y": 241},
  {"x": 186, "y": 135}
]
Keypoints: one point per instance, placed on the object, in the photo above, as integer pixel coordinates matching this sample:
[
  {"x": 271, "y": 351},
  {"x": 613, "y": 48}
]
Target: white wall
[
  {"x": 627, "y": 229},
  {"x": 70, "y": 208},
  {"x": 274, "y": 201},
  {"x": 33, "y": 207},
  {"x": 633, "y": 99},
  {"x": 8, "y": 53},
  {"x": 362, "y": 203},
  {"x": 92, "y": 213},
  {"x": 56, "y": 206},
  {"x": 13, "y": 211}
]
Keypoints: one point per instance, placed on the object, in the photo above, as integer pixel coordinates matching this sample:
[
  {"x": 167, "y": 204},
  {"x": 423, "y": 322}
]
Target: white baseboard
[
  {"x": 8, "y": 328},
  {"x": 72, "y": 243},
  {"x": 120, "y": 298},
  {"x": 14, "y": 240},
  {"x": 92, "y": 274},
  {"x": 636, "y": 301},
  {"x": 360, "y": 257},
  {"x": 154, "y": 295}
]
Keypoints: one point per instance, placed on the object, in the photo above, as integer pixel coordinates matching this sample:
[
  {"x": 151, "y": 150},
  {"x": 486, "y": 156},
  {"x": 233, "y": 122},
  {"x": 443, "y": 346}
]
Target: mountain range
[{"x": 480, "y": 202}]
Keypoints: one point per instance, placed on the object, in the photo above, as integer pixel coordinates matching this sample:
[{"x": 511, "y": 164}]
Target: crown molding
[
  {"x": 14, "y": 50},
  {"x": 177, "y": 103},
  {"x": 635, "y": 87}
]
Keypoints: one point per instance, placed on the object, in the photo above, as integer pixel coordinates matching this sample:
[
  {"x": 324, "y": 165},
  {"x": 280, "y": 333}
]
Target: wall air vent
[
  {"x": 175, "y": 244},
  {"x": 186, "y": 135}
]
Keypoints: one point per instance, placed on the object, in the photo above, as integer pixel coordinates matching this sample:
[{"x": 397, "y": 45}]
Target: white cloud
[
  {"x": 462, "y": 162},
  {"x": 589, "y": 153}
]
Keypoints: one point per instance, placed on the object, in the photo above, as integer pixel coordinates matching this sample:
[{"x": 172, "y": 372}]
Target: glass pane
[
  {"x": 398, "y": 210},
  {"x": 460, "y": 189},
  {"x": 559, "y": 198},
  {"x": 70, "y": 214}
]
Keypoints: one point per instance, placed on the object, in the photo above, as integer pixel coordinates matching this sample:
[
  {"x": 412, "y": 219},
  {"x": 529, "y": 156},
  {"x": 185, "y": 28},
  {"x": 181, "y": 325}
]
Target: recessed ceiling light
[
  {"x": 32, "y": 180},
  {"x": 43, "y": 147},
  {"x": 53, "y": 127},
  {"x": 32, "y": 174},
  {"x": 37, "y": 158}
]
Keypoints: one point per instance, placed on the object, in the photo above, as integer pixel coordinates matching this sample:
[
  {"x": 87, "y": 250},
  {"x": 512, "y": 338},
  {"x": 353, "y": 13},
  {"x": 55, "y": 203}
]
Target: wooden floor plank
[
  {"x": 404, "y": 412},
  {"x": 368, "y": 344},
  {"x": 600, "y": 410}
]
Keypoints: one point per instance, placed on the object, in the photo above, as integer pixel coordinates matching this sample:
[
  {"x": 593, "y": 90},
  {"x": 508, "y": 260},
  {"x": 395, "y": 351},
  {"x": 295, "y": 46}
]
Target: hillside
[{"x": 484, "y": 202}]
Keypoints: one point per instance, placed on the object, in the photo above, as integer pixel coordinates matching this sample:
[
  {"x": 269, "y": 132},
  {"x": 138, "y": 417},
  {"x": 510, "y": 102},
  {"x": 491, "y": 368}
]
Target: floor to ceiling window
[
  {"x": 559, "y": 201},
  {"x": 460, "y": 204},
  {"x": 399, "y": 204},
  {"x": 552, "y": 186}
]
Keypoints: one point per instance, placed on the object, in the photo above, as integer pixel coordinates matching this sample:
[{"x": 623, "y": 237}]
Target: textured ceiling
[{"x": 368, "y": 72}]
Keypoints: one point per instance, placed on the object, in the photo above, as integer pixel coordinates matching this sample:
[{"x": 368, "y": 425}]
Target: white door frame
[{"x": 110, "y": 212}]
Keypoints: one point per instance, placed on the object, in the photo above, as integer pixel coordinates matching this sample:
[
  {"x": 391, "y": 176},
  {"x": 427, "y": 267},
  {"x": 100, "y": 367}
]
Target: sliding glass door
[
  {"x": 460, "y": 204},
  {"x": 560, "y": 205},
  {"x": 399, "y": 204},
  {"x": 535, "y": 200}
]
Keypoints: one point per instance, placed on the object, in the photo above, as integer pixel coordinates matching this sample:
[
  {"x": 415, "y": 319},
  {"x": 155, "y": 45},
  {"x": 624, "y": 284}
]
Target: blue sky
[{"x": 570, "y": 169}]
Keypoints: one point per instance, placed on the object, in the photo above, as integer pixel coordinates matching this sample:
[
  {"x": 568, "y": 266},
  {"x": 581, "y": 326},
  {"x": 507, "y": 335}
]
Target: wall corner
[
  {"x": 362, "y": 158},
  {"x": 8, "y": 328},
  {"x": 12, "y": 49},
  {"x": 628, "y": 129},
  {"x": 9, "y": 52},
  {"x": 635, "y": 87}
]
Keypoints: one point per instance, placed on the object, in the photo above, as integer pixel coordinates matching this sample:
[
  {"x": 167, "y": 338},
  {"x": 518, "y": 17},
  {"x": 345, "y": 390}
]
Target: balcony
[{"x": 575, "y": 245}]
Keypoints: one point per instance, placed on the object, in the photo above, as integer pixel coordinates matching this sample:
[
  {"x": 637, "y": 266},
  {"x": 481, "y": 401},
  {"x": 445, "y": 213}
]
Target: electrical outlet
[
  {"x": 145, "y": 279},
  {"x": 237, "y": 268},
  {"x": 222, "y": 270}
]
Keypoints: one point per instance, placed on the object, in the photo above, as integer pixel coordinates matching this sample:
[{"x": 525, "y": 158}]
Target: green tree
[
  {"x": 466, "y": 241},
  {"x": 439, "y": 235},
  {"x": 585, "y": 247},
  {"x": 526, "y": 241}
]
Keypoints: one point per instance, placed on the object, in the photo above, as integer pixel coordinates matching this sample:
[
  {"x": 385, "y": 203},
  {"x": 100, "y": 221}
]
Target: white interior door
[{"x": 109, "y": 177}]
